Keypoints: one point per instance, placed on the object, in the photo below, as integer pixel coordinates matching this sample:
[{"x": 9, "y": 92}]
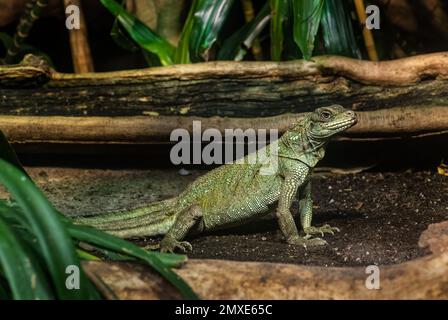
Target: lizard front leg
[
  {"x": 306, "y": 213},
  {"x": 291, "y": 183}
]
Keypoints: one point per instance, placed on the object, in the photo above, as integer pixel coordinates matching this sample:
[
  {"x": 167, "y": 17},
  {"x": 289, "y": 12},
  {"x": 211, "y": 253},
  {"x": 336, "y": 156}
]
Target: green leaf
[
  {"x": 157, "y": 261},
  {"x": 290, "y": 49},
  {"x": 121, "y": 39},
  {"x": 141, "y": 34},
  {"x": 84, "y": 255},
  {"x": 52, "y": 238},
  {"x": 208, "y": 19},
  {"x": 337, "y": 30},
  {"x": 22, "y": 272},
  {"x": 279, "y": 15},
  {"x": 236, "y": 46},
  {"x": 307, "y": 15},
  {"x": 151, "y": 59},
  {"x": 182, "y": 54}
]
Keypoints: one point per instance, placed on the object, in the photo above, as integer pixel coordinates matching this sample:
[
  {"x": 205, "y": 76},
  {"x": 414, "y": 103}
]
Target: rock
[{"x": 435, "y": 237}]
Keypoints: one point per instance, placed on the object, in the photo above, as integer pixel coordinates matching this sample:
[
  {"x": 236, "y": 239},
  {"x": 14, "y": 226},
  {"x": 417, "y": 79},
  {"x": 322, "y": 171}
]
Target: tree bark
[
  {"x": 393, "y": 98},
  {"x": 390, "y": 123},
  {"x": 424, "y": 278}
]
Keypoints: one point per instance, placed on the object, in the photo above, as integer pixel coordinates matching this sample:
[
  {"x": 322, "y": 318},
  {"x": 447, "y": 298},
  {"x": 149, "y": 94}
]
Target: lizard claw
[
  {"x": 307, "y": 241},
  {"x": 170, "y": 245},
  {"x": 321, "y": 230}
]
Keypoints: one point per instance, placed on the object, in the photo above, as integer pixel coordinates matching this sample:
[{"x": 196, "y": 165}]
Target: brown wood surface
[
  {"x": 237, "y": 89},
  {"x": 422, "y": 278},
  {"x": 406, "y": 97}
]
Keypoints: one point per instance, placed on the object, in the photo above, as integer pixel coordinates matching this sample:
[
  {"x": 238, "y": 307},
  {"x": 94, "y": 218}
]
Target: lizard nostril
[{"x": 351, "y": 113}]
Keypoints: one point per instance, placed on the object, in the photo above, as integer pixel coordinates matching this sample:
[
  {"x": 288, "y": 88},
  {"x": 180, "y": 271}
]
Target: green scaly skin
[{"x": 234, "y": 194}]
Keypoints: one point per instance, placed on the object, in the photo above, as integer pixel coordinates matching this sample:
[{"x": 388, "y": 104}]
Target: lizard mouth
[{"x": 342, "y": 125}]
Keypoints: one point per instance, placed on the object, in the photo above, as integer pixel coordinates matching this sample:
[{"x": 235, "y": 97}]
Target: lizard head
[{"x": 327, "y": 121}]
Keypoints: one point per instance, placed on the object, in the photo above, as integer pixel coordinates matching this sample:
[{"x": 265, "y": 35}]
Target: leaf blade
[
  {"x": 53, "y": 239},
  {"x": 23, "y": 274},
  {"x": 105, "y": 241},
  {"x": 279, "y": 15},
  {"x": 307, "y": 16},
  {"x": 236, "y": 46},
  {"x": 337, "y": 30},
  {"x": 207, "y": 21},
  {"x": 141, "y": 34}
]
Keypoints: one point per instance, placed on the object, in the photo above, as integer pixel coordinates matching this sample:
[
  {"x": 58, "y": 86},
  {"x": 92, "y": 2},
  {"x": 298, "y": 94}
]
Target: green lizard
[{"x": 235, "y": 193}]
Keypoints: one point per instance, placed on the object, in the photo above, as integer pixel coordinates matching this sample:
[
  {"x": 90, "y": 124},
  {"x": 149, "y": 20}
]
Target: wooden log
[
  {"x": 390, "y": 123},
  {"x": 423, "y": 278},
  {"x": 237, "y": 89},
  {"x": 31, "y": 72}
]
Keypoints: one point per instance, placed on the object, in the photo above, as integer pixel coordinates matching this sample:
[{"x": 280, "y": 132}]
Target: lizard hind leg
[{"x": 185, "y": 221}]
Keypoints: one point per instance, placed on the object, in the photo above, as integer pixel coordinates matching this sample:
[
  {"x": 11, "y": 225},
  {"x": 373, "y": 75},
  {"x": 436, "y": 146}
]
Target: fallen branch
[
  {"x": 424, "y": 278},
  {"x": 392, "y": 123},
  {"x": 236, "y": 89}
]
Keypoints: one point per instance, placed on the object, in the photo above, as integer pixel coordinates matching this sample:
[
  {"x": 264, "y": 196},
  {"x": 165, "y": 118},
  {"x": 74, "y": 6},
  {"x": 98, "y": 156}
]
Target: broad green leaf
[
  {"x": 290, "y": 49},
  {"x": 182, "y": 55},
  {"x": 279, "y": 15},
  {"x": 121, "y": 39},
  {"x": 52, "y": 238},
  {"x": 155, "y": 260},
  {"x": 141, "y": 34},
  {"x": 337, "y": 30},
  {"x": 22, "y": 272},
  {"x": 307, "y": 15},
  {"x": 151, "y": 59},
  {"x": 236, "y": 46},
  {"x": 84, "y": 255},
  {"x": 208, "y": 19}
]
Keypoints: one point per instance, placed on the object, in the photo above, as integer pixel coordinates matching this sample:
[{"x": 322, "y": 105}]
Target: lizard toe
[
  {"x": 321, "y": 230},
  {"x": 185, "y": 246},
  {"x": 316, "y": 242},
  {"x": 170, "y": 245}
]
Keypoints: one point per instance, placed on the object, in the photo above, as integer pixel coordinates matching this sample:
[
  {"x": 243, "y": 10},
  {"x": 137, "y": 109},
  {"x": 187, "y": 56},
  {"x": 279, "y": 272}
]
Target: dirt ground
[{"x": 380, "y": 215}]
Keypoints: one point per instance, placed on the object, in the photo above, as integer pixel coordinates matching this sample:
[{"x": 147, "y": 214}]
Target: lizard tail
[{"x": 153, "y": 219}]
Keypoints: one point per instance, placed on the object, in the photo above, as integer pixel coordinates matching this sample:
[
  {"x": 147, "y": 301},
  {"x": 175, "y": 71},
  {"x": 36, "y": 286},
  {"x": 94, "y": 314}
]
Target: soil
[{"x": 380, "y": 215}]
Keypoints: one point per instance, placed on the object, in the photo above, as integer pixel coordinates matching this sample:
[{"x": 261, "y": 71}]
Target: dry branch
[{"x": 79, "y": 43}]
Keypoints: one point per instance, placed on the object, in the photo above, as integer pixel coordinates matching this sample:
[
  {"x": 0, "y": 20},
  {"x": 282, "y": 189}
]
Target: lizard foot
[
  {"x": 320, "y": 230},
  {"x": 307, "y": 241},
  {"x": 170, "y": 245}
]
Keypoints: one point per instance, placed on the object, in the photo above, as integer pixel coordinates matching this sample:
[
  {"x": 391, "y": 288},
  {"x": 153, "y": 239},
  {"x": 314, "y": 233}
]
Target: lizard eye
[{"x": 325, "y": 115}]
